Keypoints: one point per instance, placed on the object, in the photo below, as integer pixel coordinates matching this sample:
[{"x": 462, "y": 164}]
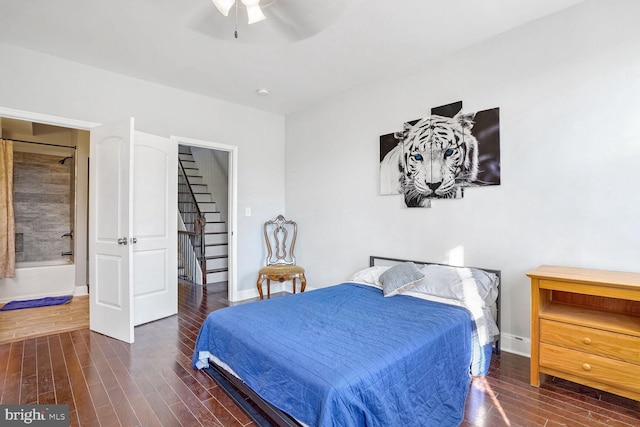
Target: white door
[
  {"x": 155, "y": 197},
  {"x": 110, "y": 226},
  {"x": 132, "y": 229}
]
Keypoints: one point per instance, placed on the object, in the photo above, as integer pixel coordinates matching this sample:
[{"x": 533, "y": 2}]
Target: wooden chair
[{"x": 280, "y": 237}]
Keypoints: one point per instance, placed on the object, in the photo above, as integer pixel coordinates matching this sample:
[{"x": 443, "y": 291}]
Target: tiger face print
[{"x": 439, "y": 156}]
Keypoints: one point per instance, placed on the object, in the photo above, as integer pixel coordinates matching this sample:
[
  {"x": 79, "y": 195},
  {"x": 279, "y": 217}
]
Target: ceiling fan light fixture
[
  {"x": 254, "y": 12},
  {"x": 224, "y": 6}
]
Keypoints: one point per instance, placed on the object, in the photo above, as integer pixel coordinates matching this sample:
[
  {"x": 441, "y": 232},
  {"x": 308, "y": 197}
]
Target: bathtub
[
  {"x": 39, "y": 279},
  {"x": 53, "y": 262}
]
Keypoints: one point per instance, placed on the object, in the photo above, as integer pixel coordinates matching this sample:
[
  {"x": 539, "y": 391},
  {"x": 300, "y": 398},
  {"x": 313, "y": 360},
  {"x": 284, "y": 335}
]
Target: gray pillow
[{"x": 399, "y": 278}]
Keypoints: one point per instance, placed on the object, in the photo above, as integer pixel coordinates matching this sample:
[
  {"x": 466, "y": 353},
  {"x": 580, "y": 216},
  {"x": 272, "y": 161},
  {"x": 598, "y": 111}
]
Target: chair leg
[
  {"x": 269, "y": 288},
  {"x": 260, "y": 280},
  {"x": 303, "y": 281},
  {"x": 294, "y": 285}
]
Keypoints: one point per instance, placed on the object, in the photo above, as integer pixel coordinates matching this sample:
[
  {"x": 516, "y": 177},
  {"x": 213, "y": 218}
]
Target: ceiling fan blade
[
  {"x": 224, "y": 6},
  {"x": 254, "y": 12}
]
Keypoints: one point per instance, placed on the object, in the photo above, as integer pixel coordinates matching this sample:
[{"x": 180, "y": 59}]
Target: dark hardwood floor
[{"x": 151, "y": 383}]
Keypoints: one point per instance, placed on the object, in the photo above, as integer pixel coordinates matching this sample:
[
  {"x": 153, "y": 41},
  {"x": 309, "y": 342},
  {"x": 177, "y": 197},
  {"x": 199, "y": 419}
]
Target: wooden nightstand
[{"x": 585, "y": 327}]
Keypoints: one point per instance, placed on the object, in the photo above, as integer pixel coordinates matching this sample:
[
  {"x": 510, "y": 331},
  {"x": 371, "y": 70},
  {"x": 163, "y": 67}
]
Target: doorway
[
  {"x": 50, "y": 189},
  {"x": 213, "y": 167},
  {"x": 232, "y": 182}
]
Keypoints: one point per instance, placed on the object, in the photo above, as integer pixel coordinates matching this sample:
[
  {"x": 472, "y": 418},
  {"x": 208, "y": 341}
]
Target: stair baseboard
[{"x": 218, "y": 276}]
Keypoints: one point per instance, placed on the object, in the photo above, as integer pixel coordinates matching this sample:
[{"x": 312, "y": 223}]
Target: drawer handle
[
  {"x": 586, "y": 366},
  {"x": 587, "y": 341}
]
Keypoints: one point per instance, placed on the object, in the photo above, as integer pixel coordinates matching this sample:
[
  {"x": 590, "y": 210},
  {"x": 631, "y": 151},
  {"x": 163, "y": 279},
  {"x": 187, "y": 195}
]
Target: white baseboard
[
  {"x": 81, "y": 290},
  {"x": 275, "y": 288},
  {"x": 514, "y": 344},
  {"x": 253, "y": 292},
  {"x": 246, "y": 294}
]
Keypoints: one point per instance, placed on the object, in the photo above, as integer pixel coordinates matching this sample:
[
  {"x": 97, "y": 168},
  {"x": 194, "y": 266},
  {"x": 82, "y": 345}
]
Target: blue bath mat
[{"x": 41, "y": 302}]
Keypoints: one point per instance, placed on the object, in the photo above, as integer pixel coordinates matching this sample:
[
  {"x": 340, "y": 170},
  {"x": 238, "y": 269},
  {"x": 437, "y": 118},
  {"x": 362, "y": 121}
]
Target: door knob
[
  {"x": 122, "y": 241},
  {"x": 133, "y": 240}
]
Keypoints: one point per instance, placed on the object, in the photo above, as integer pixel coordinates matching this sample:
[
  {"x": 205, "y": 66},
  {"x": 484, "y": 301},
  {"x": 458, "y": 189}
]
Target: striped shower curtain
[{"x": 7, "y": 225}]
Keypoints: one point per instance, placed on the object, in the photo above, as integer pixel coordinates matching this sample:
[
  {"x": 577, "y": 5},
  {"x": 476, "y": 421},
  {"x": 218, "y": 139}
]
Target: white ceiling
[{"x": 329, "y": 47}]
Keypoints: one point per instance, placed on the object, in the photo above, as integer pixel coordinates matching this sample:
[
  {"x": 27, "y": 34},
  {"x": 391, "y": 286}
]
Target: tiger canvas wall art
[{"x": 437, "y": 156}]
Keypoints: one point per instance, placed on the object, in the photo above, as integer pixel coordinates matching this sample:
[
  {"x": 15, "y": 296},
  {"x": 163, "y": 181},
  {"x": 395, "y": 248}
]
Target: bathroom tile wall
[{"x": 43, "y": 205}]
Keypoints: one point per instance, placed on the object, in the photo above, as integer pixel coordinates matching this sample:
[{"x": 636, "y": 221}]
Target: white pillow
[
  {"x": 471, "y": 286},
  {"x": 371, "y": 275}
]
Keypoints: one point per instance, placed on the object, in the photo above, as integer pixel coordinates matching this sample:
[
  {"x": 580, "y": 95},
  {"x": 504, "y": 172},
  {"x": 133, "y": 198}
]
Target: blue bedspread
[{"x": 347, "y": 356}]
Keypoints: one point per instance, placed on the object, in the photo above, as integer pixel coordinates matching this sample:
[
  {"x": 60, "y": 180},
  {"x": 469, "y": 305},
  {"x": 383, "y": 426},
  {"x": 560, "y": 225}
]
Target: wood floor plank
[
  {"x": 185, "y": 416},
  {"x": 46, "y": 386},
  {"x": 12, "y": 386},
  {"x": 162, "y": 410},
  {"x": 107, "y": 416},
  {"x": 85, "y": 410},
  {"x": 29, "y": 390},
  {"x": 126, "y": 414}
]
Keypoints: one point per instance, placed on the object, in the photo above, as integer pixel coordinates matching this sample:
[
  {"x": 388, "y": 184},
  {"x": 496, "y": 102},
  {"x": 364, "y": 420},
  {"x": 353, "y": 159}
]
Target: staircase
[{"x": 216, "y": 255}]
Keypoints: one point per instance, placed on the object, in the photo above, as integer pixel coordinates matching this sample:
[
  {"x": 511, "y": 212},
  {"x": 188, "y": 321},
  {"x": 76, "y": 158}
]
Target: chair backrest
[{"x": 280, "y": 237}]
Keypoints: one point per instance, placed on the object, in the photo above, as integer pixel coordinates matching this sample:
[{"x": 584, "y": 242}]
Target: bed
[{"x": 391, "y": 346}]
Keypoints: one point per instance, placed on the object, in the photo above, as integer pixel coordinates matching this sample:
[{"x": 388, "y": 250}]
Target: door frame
[
  {"x": 232, "y": 183},
  {"x": 12, "y": 113}
]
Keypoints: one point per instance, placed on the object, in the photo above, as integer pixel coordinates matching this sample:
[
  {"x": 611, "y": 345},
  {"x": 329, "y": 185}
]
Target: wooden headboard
[{"x": 379, "y": 260}]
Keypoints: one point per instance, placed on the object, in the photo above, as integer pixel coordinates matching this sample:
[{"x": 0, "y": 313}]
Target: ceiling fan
[{"x": 281, "y": 21}]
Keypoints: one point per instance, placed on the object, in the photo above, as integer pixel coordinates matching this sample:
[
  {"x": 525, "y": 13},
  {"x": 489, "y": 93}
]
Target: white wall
[
  {"x": 43, "y": 84},
  {"x": 568, "y": 88}
]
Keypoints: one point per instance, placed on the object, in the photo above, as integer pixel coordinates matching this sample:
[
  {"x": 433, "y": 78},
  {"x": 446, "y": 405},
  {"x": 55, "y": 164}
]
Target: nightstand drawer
[
  {"x": 590, "y": 367},
  {"x": 589, "y": 340}
]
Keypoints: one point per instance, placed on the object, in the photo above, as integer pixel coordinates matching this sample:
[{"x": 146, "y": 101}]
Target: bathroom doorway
[{"x": 50, "y": 166}]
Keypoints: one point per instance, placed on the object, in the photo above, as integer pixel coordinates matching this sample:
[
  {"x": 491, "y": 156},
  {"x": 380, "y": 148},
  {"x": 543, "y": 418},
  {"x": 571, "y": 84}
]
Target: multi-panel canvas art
[{"x": 440, "y": 155}]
